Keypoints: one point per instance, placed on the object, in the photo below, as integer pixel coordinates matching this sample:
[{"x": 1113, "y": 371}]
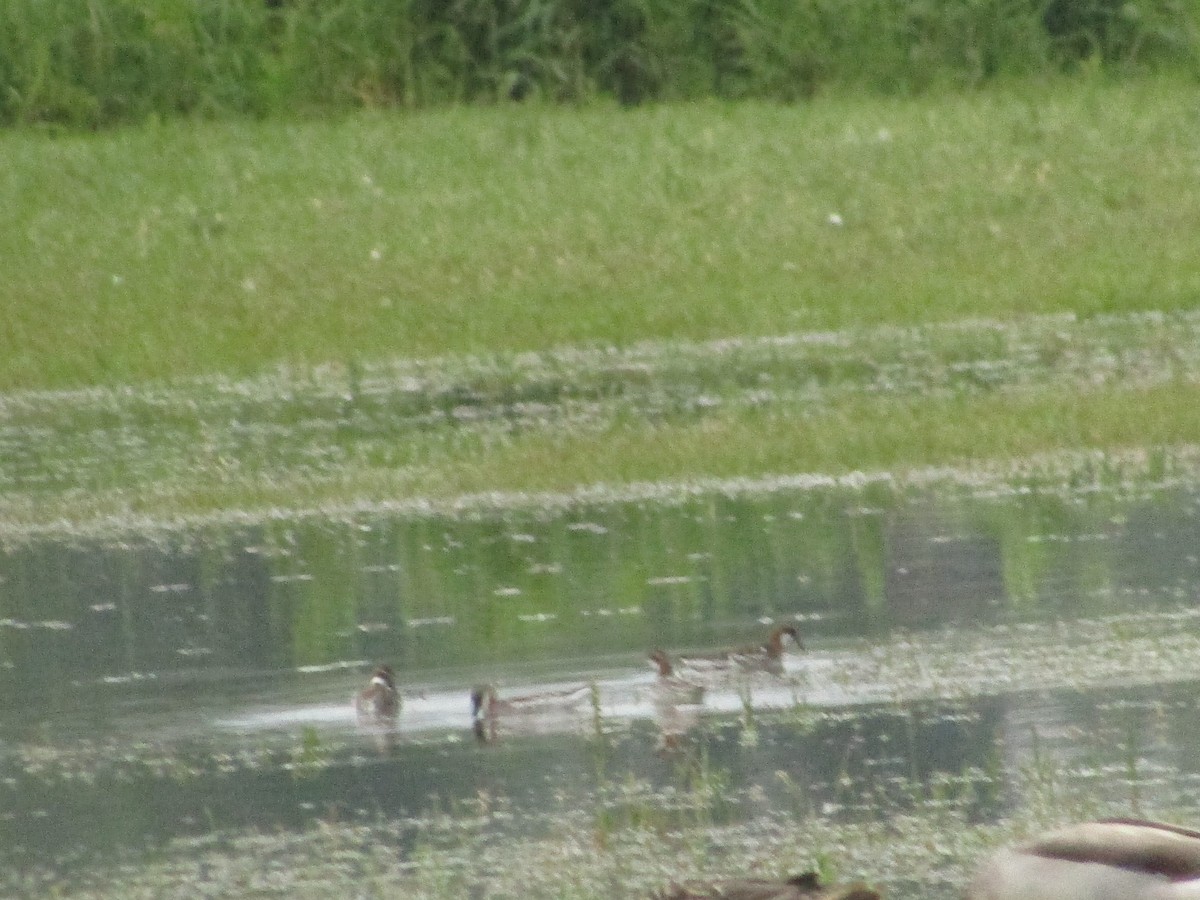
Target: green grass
[
  {"x": 198, "y": 248},
  {"x": 344, "y": 290},
  {"x": 677, "y": 416}
]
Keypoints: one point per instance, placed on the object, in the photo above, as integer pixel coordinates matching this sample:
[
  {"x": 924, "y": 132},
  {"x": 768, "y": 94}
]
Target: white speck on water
[
  {"x": 373, "y": 627},
  {"x": 178, "y": 588},
  {"x": 670, "y": 579},
  {"x": 591, "y": 527}
]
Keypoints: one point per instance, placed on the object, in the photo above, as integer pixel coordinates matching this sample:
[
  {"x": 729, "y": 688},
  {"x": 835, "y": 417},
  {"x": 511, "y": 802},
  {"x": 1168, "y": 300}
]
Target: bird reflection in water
[{"x": 677, "y": 702}]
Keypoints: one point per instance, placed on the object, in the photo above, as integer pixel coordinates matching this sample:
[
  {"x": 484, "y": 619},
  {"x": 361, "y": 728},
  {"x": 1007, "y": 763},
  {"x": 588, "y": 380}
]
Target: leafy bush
[{"x": 94, "y": 62}]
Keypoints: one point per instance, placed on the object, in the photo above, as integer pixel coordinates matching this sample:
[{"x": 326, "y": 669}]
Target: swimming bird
[
  {"x": 536, "y": 711},
  {"x": 379, "y": 701},
  {"x": 800, "y": 887},
  {"x": 669, "y": 687},
  {"x": 765, "y": 657},
  {"x": 1113, "y": 859}
]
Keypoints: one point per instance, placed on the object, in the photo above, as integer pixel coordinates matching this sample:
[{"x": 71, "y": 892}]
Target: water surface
[{"x": 974, "y": 656}]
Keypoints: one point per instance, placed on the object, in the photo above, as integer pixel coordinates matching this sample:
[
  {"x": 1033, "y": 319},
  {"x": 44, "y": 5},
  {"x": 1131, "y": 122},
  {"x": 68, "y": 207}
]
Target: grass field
[
  {"x": 326, "y": 254},
  {"x": 198, "y": 248}
]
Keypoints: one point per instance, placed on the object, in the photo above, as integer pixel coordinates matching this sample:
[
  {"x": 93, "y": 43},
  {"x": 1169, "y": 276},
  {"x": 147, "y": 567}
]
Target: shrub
[{"x": 94, "y": 62}]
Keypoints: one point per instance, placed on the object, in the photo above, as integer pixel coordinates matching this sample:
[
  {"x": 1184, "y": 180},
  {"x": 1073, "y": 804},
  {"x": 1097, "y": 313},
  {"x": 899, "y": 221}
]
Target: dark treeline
[{"x": 95, "y": 62}]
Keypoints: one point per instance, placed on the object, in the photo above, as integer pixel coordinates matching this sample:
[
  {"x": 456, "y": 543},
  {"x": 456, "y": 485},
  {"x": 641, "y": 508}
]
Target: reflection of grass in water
[
  {"x": 627, "y": 804},
  {"x": 1131, "y": 747},
  {"x": 706, "y": 789},
  {"x": 699, "y": 799},
  {"x": 310, "y": 756},
  {"x": 599, "y": 742},
  {"x": 1040, "y": 772},
  {"x": 748, "y": 731}
]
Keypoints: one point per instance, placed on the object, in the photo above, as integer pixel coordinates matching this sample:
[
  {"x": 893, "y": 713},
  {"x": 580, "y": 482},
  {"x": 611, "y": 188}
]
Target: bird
[
  {"x": 800, "y": 887},
  {"x": 379, "y": 701},
  {"x": 765, "y": 657},
  {"x": 669, "y": 687},
  {"x": 525, "y": 712},
  {"x": 1111, "y": 859}
]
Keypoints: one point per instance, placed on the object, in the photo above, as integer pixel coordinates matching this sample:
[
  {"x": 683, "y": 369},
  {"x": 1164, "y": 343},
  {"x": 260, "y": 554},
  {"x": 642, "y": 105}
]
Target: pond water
[{"x": 175, "y": 706}]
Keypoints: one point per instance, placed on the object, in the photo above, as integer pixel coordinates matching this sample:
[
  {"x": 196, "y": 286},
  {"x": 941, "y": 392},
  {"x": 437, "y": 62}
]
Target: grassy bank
[
  {"x": 677, "y": 416},
  {"x": 190, "y": 249},
  {"x": 873, "y": 437},
  {"x": 309, "y": 315}
]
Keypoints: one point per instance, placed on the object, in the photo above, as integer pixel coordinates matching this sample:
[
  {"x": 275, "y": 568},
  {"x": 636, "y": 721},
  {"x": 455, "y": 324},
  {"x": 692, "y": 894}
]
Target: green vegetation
[
  {"x": 95, "y": 62},
  {"x": 296, "y": 273},
  {"x": 888, "y": 399},
  {"x": 395, "y": 282},
  {"x": 191, "y": 249},
  {"x": 860, "y": 435}
]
